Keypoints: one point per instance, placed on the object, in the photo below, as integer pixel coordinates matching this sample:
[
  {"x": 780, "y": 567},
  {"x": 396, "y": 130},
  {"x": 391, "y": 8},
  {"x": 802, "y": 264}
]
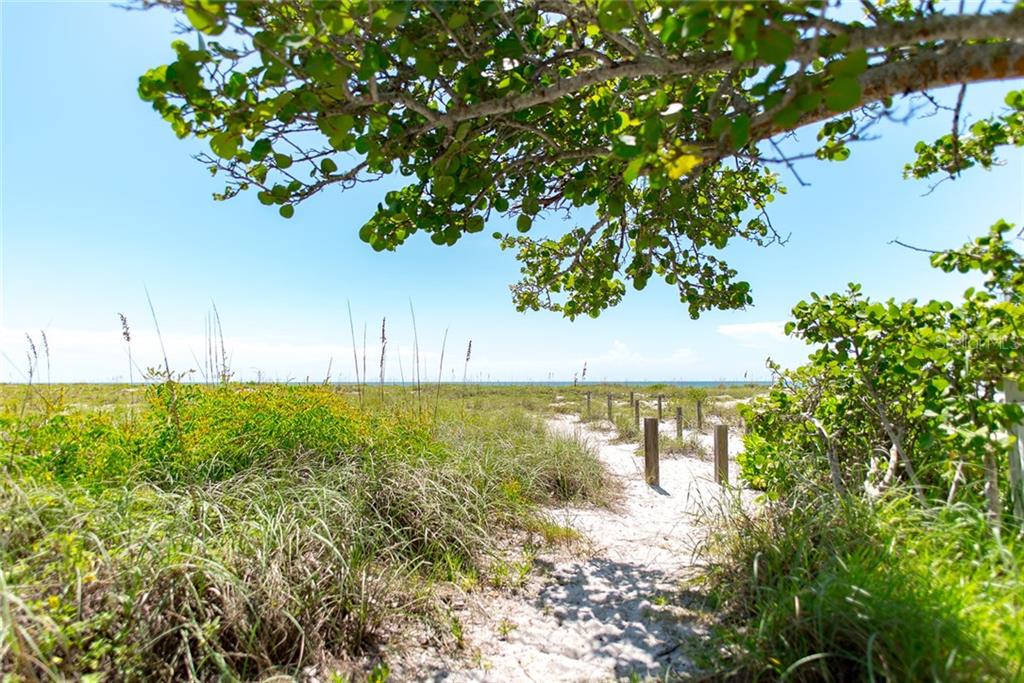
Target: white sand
[{"x": 607, "y": 611}]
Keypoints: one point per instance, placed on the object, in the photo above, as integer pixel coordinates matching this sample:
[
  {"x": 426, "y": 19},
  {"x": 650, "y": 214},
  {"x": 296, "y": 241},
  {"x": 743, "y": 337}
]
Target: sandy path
[{"x": 610, "y": 610}]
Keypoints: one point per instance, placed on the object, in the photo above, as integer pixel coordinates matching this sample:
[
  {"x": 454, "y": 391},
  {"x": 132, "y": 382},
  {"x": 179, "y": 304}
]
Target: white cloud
[
  {"x": 755, "y": 335},
  {"x": 618, "y": 352}
]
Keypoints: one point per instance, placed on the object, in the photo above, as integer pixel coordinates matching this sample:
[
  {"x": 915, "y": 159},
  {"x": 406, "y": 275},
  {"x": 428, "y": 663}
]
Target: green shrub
[
  {"x": 884, "y": 552},
  {"x": 901, "y": 391}
]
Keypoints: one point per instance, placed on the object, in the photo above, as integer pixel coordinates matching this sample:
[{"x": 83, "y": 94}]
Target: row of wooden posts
[
  {"x": 635, "y": 402},
  {"x": 652, "y": 473}
]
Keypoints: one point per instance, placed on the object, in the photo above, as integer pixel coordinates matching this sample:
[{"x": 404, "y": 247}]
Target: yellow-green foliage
[{"x": 189, "y": 434}]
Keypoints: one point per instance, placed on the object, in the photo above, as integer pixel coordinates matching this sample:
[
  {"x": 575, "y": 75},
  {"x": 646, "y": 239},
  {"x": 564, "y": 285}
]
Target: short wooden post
[
  {"x": 631, "y": 398},
  {"x": 651, "y": 470},
  {"x": 721, "y": 454},
  {"x": 636, "y": 413},
  {"x": 660, "y": 415},
  {"x": 679, "y": 422},
  {"x": 588, "y": 404},
  {"x": 610, "y": 408},
  {"x": 700, "y": 418}
]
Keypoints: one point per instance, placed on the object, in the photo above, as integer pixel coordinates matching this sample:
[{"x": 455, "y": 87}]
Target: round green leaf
[
  {"x": 260, "y": 149},
  {"x": 225, "y": 145},
  {"x": 444, "y": 185},
  {"x": 842, "y": 94}
]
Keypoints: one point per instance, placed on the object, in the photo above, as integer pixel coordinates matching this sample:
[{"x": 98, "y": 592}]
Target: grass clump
[
  {"x": 689, "y": 445},
  {"x": 547, "y": 467},
  {"x": 820, "y": 589},
  {"x": 241, "y": 531}
]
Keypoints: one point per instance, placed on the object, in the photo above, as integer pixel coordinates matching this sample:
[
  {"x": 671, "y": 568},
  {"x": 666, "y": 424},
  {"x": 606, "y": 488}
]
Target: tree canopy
[{"x": 658, "y": 126}]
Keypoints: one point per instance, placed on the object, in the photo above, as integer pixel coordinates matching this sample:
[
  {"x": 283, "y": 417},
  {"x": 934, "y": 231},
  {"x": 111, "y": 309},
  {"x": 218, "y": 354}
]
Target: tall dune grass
[{"x": 238, "y": 531}]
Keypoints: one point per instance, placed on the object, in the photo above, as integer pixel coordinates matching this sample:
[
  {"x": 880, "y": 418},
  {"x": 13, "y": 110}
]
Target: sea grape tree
[
  {"x": 656, "y": 125},
  {"x": 904, "y": 391}
]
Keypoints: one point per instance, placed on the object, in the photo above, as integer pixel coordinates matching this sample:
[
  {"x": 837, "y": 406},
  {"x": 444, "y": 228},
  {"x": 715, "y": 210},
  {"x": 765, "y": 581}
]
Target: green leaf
[
  {"x": 614, "y": 15},
  {"x": 287, "y": 211},
  {"x": 225, "y": 145},
  {"x": 697, "y": 24},
  {"x": 327, "y": 166},
  {"x": 426, "y": 66},
  {"x": 788, "y": 116},
  {"x": 463, "y": 130},
  {"x": 633, "y": 170},
  {"x": 807, "y": 101},
  {"x": 524, "y": 223},
  {"x": 444, "y": 186},
  {"x": 260, "y": 149},
  {"x": 719, "y": 126},
  {"x": 775, "y": 46},
  {"x": 457, "y": 20},
  {"x": 282, "y": 160},
  {"x": 670, "y": 29},
  {"x": 853, "y": 65},
  {"x": 207, "y": 17},
  {"x": 842, "y": 94},
  {"x": 740, "y": 130}
]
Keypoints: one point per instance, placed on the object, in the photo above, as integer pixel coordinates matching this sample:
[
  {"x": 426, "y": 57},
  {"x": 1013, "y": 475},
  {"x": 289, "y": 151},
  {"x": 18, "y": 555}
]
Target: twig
[
  {"x": 355, "y": 356},
  {"x": 440, "y": 367},
  {"x": 913, "y": 248}
]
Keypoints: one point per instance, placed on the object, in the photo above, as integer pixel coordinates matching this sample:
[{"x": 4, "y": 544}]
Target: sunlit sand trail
[{"x": 618, "y": 605}]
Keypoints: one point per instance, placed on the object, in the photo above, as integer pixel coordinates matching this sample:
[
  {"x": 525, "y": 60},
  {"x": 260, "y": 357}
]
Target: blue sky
[{"x": 101, "y": 202}]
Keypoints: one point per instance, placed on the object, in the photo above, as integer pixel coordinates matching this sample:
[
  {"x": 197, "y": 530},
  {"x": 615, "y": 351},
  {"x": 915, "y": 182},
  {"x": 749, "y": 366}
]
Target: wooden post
[
  {"x": 651, "y": 470},
  {"x": 659, "y": 407},
  {"x": 610, "y": 408},
  {"x": 1013, "y": 394},
  {"x": 588, "y": 404},
  {"x": 636, "y": 413},
  {"x": 721, "y": 454},
  {"x": 631, "y": 398},
  {"x": 679, "y": 422},
  {"x": 700, "y": 418}
]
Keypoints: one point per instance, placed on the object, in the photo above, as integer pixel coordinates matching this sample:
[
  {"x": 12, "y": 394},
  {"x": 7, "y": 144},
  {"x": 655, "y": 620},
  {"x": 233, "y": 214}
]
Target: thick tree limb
[
  {"x": 936, "y": 28},
  {"x": 974, "y": 63}
]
